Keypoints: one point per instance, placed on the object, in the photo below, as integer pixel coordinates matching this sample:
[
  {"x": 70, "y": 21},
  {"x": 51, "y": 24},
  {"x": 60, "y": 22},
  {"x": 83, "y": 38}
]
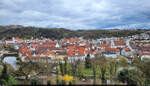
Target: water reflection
[{"x": 11, "y": 60}]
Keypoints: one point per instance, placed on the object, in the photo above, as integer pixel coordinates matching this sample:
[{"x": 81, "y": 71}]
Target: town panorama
[{"x": 113, "y": 60}]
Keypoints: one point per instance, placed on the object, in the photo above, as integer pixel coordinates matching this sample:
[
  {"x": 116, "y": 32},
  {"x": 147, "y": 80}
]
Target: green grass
[
  {"x": 90, "y": 71},
  {"x": 87, "y": 71}
]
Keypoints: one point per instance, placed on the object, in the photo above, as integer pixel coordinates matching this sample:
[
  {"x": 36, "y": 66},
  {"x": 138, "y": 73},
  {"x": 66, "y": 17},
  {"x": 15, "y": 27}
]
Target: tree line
[{"x": 59, "y": 33}]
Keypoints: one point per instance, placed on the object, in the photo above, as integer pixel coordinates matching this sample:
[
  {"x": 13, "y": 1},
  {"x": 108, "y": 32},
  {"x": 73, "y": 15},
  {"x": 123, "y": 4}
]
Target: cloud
[
  {"x": 131, "y": 26},
  {"x": 72, "y": 14}
]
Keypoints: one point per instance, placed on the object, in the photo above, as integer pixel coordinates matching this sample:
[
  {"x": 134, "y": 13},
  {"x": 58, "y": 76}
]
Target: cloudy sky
[{"x": 76, "y": 14}]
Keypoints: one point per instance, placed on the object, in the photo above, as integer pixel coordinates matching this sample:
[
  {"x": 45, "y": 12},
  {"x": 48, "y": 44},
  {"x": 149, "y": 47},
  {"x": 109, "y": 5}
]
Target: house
[
  {"x": 144, "y": 36},
  {"x": 145, "y": 56},
  {"x": 9, "y": 42},
  {"x": 135, "y": 36},
  {"x": 111, "y": 52},
  {"x": 76, "y": 52},
  {"x": 37, "y": 59},
  {"x": 126, "y": 52},
  {"x": 46, "y": 50},
  {"x": 144, "y": 51},
  {"x": 103, "y": 46},
  {"x": 119, "y": 44},
  {"x": 14, "y": 40},
  {"x": 17, "y": 40}
]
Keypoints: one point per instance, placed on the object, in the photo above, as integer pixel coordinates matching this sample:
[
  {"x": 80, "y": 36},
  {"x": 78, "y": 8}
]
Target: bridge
[{"x": 8, "y": 54}]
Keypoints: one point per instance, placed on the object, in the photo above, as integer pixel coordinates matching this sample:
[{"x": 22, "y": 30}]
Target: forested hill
[{"x": 7, "y": 32}]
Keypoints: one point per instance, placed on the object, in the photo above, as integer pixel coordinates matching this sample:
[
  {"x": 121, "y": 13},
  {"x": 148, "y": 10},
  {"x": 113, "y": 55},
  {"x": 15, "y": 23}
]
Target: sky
[{"x": 76, "y": 14}]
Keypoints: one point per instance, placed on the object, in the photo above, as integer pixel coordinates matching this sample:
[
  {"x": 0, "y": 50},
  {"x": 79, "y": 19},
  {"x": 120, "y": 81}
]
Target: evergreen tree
[
  {"x": 4, "y": 74},
  {"x": 65, "y": 67},
  {"x": 94, "y": 74},
  {"x": 88, "y": 63},
  {"x": 49, "y": 82},
  {"x": 57, "y": 82},
  {"x": 74, "y": 66},
  {"x": 34, "y": 82},
  {"x": 61, "y": 68},
  {"x": 126, "y": 77},
  {"x": 5, "y": 78}
]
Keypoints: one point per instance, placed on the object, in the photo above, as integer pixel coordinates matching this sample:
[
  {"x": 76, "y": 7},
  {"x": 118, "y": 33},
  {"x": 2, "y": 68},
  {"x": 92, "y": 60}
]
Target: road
[{"x": 128, "y": 44}]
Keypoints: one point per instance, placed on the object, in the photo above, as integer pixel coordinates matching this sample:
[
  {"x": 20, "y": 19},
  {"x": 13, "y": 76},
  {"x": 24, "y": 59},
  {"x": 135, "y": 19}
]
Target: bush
[
  {"x": 48, "y": 82},
  {"x": 126, "y": 77}
]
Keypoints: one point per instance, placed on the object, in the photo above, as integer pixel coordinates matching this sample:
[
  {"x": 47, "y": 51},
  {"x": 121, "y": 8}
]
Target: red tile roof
[
  {"x": 72, "y": 47},
  {"x": 24, "y": 45},
  {"x": 35, "y": 45},
  {"x": 127, "y": 49},
  {"x": 81, "y": 48},
  {"x": 76, "y": 50},
  {"x": 89, "y": 52},
  {"x": 49, "y": 53},
  {"x": 51, "y": 42},
  {"x": 73, "y": 40},
  {"x": 119, "y": 43},
  {"x": 71, "y": 53},
  {"x": 25, "y": 51},
  {"x": 80, "y": 53},
  {"x": 112, "y": 50},
  {"x": 18, "y": 39}
]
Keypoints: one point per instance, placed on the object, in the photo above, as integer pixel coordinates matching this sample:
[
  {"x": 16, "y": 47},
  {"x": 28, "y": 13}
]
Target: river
[{"x": 11, "y": 60}]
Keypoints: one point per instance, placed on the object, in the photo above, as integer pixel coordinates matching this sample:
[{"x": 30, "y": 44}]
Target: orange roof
[
  {"x": 24, "y": 45},
  {"x": 48, "y": 45},
  {"x": 127, "y": 49},
  {"x": 70, "y": 47},
  {"x": 112, "y": 50},
  {"x": 25, "y": 51},
  {"x": 73, "y": 47},
  {"x": 49, "y": 52},
  {"x": 80, "y": 52},
  {"x": 81, "y": 48},
  {"x": 119, "y": 43},
  {"x": 18, "y": 39},
  {"x": 73, "y": 40},
  {"x": 35, "y": 45},
  {"x": 89, "y": 52},
  {"x": 71, "y": 53}
]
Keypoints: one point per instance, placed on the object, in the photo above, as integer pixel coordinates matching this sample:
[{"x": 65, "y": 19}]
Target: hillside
[{"x": 7, "y": 32}]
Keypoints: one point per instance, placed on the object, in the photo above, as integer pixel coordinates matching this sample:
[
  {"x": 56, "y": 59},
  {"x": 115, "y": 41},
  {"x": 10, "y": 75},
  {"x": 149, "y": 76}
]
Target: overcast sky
[{"x": 76, "y": 14}]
